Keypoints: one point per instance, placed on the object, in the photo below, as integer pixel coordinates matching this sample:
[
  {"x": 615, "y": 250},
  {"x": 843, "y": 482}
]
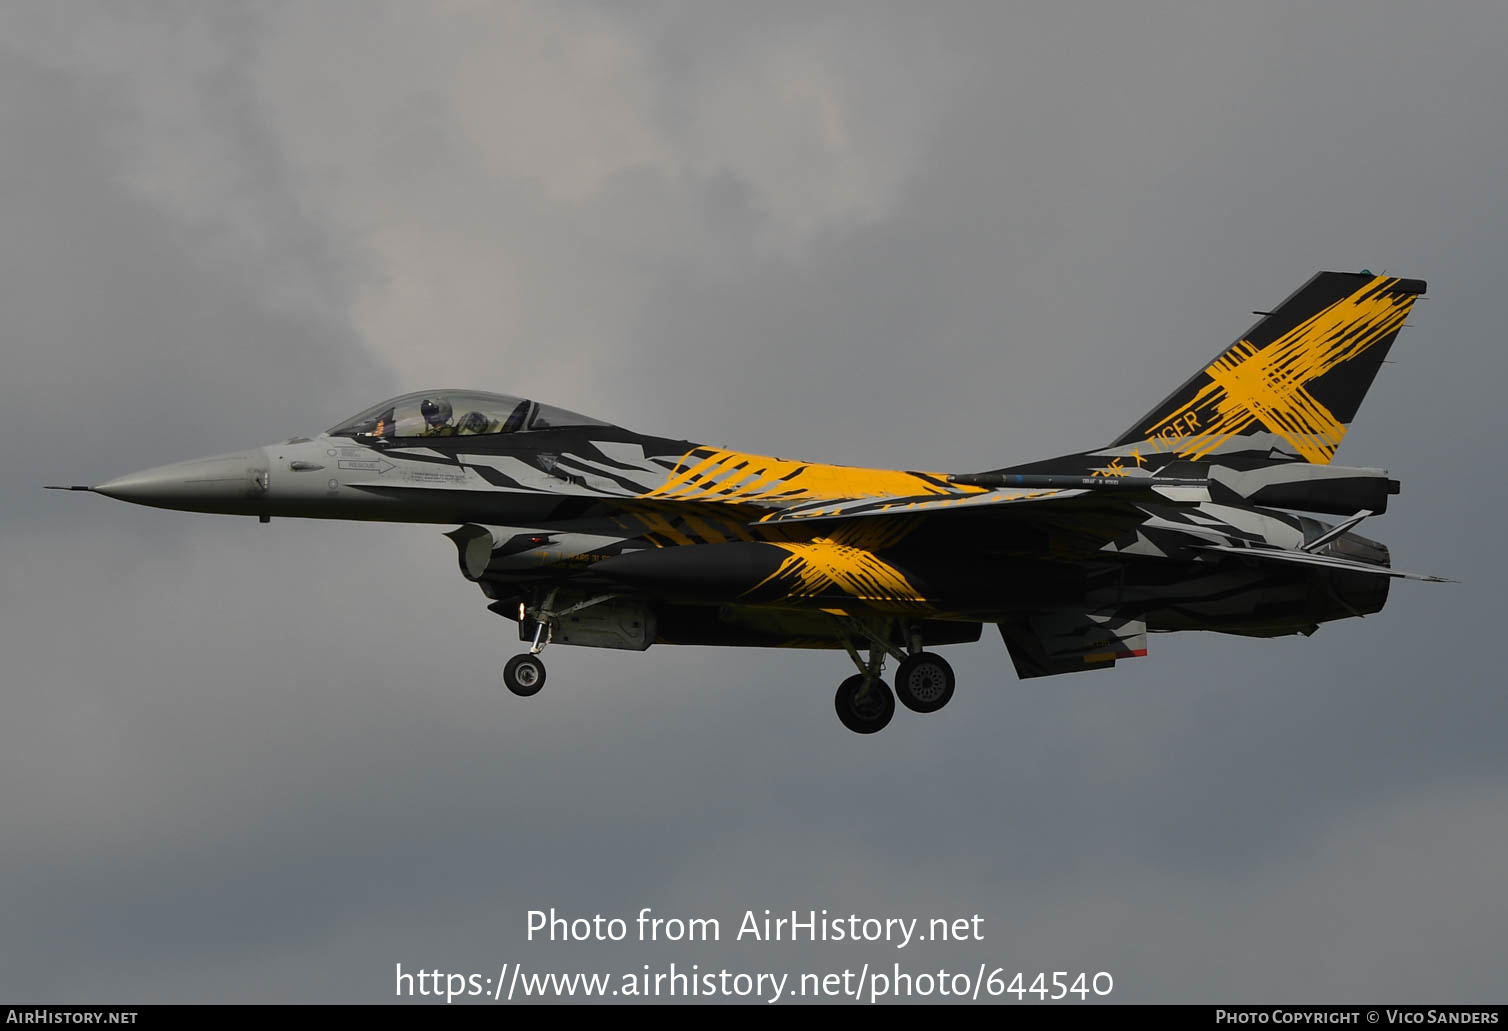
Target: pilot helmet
[
  {"x": 472, "y": 422},
  {"x": 435, "y": 412}
]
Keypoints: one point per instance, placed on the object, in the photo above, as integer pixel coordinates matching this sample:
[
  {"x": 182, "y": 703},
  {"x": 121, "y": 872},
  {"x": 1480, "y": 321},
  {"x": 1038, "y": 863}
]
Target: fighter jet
[{"x": 1202, "y": 515}]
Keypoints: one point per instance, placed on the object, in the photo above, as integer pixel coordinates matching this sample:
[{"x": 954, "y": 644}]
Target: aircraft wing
[
  {"x": 977, "y": 500},
  {"x": 1325, "y": 561}
]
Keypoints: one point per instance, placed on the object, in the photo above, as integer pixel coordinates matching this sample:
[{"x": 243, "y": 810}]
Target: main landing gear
[
  {"x": 924, "y": 682},
  {"x": 865, "y": 704}
]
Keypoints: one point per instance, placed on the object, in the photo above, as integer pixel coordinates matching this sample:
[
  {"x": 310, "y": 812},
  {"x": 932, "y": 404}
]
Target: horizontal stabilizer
[
  {"x": 1332, "y": 489},
  {"x": 1309, "y": 559}
]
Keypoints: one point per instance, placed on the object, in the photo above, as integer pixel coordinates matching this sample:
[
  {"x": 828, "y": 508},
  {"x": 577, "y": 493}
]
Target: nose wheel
[{"x": 524, "y": 674}]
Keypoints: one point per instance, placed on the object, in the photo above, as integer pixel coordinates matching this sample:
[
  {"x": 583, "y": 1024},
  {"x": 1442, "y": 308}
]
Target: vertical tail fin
[{"x": 1290, "y": 387}]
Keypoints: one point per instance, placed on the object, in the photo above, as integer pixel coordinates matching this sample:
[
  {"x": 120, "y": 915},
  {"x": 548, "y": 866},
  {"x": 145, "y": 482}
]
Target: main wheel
[
  {"x": 864, "y": 706},
  {"x": 524, "y": 675},
  {"x": 924, "y": 682}
]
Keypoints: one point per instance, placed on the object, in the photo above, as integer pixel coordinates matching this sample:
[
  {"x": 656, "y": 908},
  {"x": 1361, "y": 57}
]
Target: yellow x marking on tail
[{"x": 1268, "y": 386}]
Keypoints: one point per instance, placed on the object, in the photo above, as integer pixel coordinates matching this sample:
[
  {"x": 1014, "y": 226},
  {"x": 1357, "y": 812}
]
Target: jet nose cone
[{"x": 222, "y": 483}]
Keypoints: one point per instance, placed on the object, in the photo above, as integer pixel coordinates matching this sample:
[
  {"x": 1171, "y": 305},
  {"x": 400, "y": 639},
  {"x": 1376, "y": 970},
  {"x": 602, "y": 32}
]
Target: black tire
[
  {"x": 861, "y": 711},
  {"x": 924, "y": 682},
  {"x": 524, "y": 675}
]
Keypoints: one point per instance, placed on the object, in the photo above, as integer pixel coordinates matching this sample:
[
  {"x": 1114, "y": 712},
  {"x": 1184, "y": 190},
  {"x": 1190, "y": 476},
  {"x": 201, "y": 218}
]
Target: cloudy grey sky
[{"x": 266, "y": 763}]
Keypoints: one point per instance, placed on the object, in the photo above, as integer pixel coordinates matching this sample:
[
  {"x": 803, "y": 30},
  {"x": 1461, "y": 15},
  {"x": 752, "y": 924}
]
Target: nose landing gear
[{"x": 524, "y": 674}]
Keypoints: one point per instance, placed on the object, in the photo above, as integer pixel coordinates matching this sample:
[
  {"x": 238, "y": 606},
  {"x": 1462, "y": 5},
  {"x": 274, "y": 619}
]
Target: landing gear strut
[
  {"x": 864, "y": 701},
  {"x": 524, "y": 674},
  {"x": 924, "y": 681}
]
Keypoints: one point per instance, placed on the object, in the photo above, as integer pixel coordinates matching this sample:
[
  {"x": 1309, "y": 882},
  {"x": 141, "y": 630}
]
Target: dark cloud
[{"x": 268, "y": 762}]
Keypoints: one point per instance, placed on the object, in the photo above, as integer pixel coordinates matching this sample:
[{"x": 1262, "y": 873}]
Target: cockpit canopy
[{"x": 457, "y": 413}]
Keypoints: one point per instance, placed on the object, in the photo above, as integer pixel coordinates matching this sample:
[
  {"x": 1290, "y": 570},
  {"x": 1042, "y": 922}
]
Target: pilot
[
  {"x": 473, "y": 422},
  {"x": 436, "y": 414}
]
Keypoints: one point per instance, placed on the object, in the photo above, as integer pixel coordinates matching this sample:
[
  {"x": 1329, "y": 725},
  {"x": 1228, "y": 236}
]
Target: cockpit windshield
[{"x": 456, "y": 413}]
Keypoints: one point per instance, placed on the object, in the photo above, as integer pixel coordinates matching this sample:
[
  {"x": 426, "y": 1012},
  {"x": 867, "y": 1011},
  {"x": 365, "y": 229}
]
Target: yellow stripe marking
[{"x": 1267, "y": 386}]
